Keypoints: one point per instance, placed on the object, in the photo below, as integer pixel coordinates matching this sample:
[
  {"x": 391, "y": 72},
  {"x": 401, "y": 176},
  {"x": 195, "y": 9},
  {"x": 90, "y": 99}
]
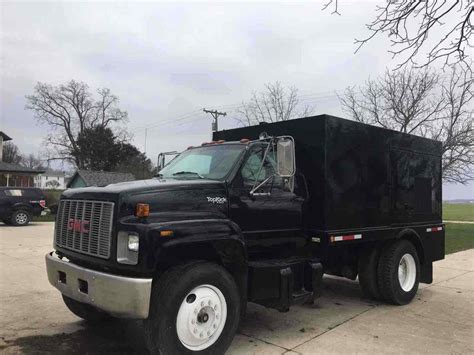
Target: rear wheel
[
  {"x": 20, "y": 218},
  {"x": 85, "y": 311},
  {"x": 399, "y": 272},
  {"x": 195, "y": 308}
]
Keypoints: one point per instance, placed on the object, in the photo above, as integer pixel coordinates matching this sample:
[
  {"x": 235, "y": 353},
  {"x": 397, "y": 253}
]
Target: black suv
[{"x": 19, "y": 204}]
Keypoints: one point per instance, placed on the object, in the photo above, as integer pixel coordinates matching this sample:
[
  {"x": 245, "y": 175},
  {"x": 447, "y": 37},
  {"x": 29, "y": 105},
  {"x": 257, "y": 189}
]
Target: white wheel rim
[
  {"x": 201, "y": 317},
  {"x": 21, "y": 218},
  {"x": 407, "y": 272}
]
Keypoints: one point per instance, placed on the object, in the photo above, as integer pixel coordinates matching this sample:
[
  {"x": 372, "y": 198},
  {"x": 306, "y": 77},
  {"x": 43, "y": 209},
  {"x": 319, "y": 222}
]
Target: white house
[{"x": 51, "y": 179}]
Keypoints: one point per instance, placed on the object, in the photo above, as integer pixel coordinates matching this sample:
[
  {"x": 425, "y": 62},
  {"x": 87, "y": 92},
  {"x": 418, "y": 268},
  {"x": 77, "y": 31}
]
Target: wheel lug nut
[
  {"x": 215, "y": 326},
  {"x": 202, "y": 303},
  {"x": 193, "y": 321},
  {"x": 195, "y": 331},
  {"x": 209, "y": 303},
  {"x": 201, "y": 335},
  {"x": 196, "y": 311}
]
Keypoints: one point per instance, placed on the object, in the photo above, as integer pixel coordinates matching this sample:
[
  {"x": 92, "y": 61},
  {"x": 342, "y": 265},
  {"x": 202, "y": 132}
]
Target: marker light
[
  {"x": 133, "y": 242},
  {"x": 142, "y": 210}
]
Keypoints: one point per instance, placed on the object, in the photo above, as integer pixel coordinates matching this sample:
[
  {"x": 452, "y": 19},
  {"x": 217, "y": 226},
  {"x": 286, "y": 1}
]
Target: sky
[{"x": 166, "y": 61}]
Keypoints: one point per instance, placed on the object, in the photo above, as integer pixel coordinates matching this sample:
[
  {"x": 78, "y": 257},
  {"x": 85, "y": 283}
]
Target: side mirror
[{"x": 286, "y": 165}]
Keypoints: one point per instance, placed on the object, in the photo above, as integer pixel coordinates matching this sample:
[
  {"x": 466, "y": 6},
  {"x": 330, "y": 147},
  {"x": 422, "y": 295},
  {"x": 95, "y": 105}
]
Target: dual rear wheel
[{"x": 391, "y": 273}]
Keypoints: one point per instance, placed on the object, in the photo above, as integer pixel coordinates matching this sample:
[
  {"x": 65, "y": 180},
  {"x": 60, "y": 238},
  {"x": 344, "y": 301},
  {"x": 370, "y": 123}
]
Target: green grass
[
  {"x": 459, "y": 237},
  {"x": 47, "y": 218},
  {"x": 458, "y": 212}
]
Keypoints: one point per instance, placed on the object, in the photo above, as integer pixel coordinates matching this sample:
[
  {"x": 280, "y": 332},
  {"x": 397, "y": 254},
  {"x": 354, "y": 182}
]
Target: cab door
[{"x": 272, "y": 216}]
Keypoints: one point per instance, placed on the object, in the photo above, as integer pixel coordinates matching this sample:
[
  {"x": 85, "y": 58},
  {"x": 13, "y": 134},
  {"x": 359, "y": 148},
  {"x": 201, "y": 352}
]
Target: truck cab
[{"x": 253, "y": 216}]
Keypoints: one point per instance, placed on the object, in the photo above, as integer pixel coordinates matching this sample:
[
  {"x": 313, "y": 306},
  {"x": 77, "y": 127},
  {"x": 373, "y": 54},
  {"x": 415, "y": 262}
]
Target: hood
[{"x": 165, "y": 196}]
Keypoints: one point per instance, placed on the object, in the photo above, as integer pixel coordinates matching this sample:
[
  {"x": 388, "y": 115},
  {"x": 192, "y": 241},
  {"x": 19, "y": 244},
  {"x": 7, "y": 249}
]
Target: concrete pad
[
  {"x": 34, "y": 314},
  {"x": 301, "y": 323},
  {"x": 463, "y": 260},
  {"x": 439, "y": 320},
  {"x": 462, "y": 282},
  {"x": 244, "y": 345},
  {"x": 441, "y": 274}
]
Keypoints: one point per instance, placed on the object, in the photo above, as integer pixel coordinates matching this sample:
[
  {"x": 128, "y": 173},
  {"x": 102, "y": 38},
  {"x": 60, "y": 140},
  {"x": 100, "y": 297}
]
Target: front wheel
[
  {"x": 20, "y": 218},
  {"x": 399, "y": 272},
  {"x": 195, "y": 308}
]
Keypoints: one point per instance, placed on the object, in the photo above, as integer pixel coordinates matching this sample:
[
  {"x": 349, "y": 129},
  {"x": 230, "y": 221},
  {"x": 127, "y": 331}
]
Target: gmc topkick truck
[{"x": 257, "y": 215}]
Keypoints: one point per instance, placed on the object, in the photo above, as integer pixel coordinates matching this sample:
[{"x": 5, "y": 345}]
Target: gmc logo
[{"x": 78, "y": 225}]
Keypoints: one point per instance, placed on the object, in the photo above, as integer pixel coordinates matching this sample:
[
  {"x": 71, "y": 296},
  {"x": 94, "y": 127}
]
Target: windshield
[{"x": 209, "y": 162}]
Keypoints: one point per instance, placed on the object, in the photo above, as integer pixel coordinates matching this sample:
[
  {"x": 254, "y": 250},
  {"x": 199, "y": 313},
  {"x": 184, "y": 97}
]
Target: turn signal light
[
  {"x": 166, "y": 233},
  {"x": 142, "y": 210}
]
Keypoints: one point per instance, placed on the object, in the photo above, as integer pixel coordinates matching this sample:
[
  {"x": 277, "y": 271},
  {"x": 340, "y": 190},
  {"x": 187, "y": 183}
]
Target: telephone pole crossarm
[{"x": 215, "y": 114}]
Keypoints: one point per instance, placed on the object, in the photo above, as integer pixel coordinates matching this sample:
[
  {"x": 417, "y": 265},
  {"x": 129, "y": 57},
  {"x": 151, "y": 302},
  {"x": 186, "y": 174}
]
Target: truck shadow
[
  {"x": 126, "y": 337},
  {"x": 117, "y": 337}
]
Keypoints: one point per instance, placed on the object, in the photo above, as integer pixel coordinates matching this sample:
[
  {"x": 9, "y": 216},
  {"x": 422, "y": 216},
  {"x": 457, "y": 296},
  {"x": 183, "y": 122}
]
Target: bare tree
[
  {"x": 33, "y": 162},
  {"x": 11, "y": 153},
  {"x": 420, "y": 102},
  {"x": 68, "y": 110},
  {"x": 409, "y": 23},
  {"x": 273, "y": 104}
]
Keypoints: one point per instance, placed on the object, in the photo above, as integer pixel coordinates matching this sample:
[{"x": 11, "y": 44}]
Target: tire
[
  {"x": 368, "y": 264},
  {"x": 85, "y": 311},
  {"x": 7, "y": 222},
  {"x": 396, "y": 289},
  {"x": 186, "y": 300},
  {"x": 20, "y": 218}
]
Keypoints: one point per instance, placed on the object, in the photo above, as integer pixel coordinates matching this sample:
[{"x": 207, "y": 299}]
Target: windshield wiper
[{"x": 188, "y": 173}]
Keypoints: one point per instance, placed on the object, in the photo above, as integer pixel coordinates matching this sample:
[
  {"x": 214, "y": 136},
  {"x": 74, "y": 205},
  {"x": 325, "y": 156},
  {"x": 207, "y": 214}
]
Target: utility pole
[{"x": 215, "y": 114}]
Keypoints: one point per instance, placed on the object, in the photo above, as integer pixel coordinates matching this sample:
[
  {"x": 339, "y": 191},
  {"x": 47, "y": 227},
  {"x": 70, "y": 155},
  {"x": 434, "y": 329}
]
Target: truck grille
[{"x": 85, "y": 227}]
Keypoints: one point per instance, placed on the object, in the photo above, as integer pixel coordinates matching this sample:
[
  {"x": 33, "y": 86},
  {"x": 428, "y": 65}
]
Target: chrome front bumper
[{"x": 123, "y": 297}]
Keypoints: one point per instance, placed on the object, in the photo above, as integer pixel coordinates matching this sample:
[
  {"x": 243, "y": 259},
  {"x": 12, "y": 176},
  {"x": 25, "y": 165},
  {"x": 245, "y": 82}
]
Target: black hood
[{"x": 165, "y": 196}]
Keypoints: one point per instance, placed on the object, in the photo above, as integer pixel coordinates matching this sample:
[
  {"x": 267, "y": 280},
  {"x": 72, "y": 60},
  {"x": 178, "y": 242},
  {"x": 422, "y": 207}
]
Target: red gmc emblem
[{"x": 78, "y": 225}]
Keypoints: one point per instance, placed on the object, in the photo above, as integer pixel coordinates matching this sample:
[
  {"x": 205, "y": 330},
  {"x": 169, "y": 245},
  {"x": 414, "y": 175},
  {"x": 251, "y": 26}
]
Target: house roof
[
  {"x": 57, "y": 173},
  {"x": 17, "y": 169},
  {"x": 101, "y": 178},
  {"x": 5, "y": 137}
]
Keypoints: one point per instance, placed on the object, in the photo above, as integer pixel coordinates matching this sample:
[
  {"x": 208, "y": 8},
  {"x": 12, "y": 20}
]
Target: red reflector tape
[
  {"x": 341, "y": 238},
  {"x": 434, "y": 229}
]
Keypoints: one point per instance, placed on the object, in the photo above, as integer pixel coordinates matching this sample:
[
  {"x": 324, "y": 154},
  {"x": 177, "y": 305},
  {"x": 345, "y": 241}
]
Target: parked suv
[{"x": 19, "y": 204}]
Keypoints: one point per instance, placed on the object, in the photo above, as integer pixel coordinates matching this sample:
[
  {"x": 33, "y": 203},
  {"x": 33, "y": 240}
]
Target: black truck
[{"x": 257, "y": 215}]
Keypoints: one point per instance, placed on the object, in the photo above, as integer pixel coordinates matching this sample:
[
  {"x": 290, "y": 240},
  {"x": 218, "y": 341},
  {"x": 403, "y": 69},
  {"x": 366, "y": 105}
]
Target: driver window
[{"x": 250, "y": 170}]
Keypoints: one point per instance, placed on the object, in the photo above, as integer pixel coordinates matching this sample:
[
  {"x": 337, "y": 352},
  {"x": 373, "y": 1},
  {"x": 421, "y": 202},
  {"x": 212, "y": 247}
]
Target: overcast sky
[{"x": 166, "y": 61}]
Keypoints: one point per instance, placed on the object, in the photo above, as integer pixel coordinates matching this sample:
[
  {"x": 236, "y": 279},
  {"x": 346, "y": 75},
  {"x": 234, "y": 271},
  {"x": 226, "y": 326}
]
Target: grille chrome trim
[{"x": 85, "y": 226}]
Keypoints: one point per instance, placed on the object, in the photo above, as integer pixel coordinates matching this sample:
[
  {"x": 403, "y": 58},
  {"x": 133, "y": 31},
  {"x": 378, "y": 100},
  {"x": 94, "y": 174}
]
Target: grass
[
  {"x": 47, "y": 218},
  {"x": 459, "y": 237},
  {"x": 458, "y": 212}
]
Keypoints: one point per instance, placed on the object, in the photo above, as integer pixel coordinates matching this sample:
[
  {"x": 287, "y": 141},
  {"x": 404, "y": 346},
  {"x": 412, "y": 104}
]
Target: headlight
[
  {"x": 133, "y": 242},
  {"x": 128, "y": 245}
]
